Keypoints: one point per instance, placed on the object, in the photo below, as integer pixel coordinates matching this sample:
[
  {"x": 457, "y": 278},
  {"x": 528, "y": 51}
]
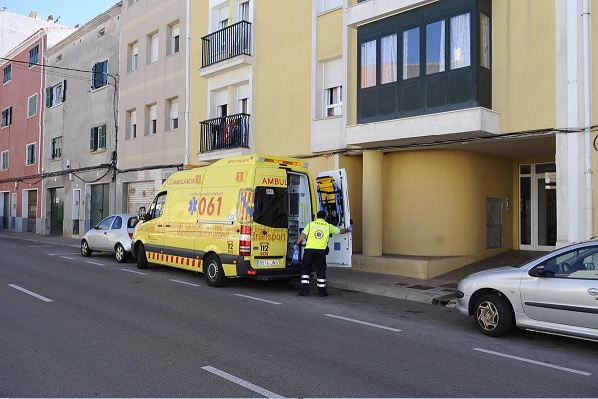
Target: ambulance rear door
[
  {"x": 332, "y": 191},
  {"x": 270, "y": 218}
]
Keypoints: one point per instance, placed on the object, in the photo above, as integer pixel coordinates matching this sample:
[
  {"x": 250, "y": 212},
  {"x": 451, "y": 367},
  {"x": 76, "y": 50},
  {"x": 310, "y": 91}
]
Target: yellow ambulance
[{"x": 238, "y": 217}]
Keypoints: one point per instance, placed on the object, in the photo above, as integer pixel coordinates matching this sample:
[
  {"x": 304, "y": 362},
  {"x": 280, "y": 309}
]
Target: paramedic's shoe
[
  {"x": 323, "y": 293},
  {"x": 303, "y": 293}
]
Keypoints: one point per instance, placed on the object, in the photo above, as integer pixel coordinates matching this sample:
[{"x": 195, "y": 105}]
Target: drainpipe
[
  {"x": 587, "y": 102},
  {"x": 187, "y": 80}
]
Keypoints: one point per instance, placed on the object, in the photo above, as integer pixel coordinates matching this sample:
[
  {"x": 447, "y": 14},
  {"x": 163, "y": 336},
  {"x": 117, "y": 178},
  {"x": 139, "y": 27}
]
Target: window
[
  {"x": 132, "y": 124},
  {"x": 131, "y": 2},
  {"x": 577, "y": 263},
  {"x": 153, "y": 119},
  {"x": 244, "y": 10},
  {"x": 4, "y": 156},
  {"x": 334, "y": 101},
  {"x": 33, "y": 55},
  {"x": 97, "y": 139},
  {"x": 460, "y": 42},
  {"x": 435, "y": 47},
  {"x": 484, "y": 41},
  {"x": 57, "y": 147},
  {"x": 99, "y": 75},
  {"x": 56, "y": 94},
  {"x": 101, "y": 32},
  {"x": 244, "y": 106},
  {"x": 6, "y": 116},
  {"x": 7, "y": 75},
  {"x": 59, "y": 58},
  {"x": 133, "y": 56},
  {"x": 388, "y": 59},
  {"x": 153, "y": 48},
  {"x": 173, "y": 106},
  {"x": 333, "y": 91},
  {"x": 411, "y": 53},
  {"x": 327, "y": 5},
  {"x": 32, "y": 106},
  {"x": 174, "y": 38},
  {"x": 368, "y": 64},
  {"x": 425, "y": 60},
  {"x": 30, "y": 154}
]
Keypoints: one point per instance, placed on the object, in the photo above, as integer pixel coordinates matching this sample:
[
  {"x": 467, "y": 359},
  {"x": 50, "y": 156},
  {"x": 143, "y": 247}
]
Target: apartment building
[
  {"x": 21, "y": 131},
  {"x": 449, "y": 117},
  {"x": 80, "y": 126},
  {"x": 153, "y": 134},
  {"x": 465, "y": 125}
]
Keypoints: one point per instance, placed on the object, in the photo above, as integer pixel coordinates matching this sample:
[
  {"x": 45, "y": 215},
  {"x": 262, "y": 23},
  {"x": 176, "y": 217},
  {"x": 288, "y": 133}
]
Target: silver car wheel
[
  {"x": 121, "y": 255},
  {"x": 488, "y": 316}
]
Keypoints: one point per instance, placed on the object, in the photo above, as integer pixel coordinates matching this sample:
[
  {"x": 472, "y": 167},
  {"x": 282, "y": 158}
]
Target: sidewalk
[{"x": 438, "y": 290}]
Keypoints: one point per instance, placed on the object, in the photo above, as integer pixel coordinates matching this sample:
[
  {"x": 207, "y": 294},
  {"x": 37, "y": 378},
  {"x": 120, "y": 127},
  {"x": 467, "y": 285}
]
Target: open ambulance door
[{"x": 333, "y": 197}]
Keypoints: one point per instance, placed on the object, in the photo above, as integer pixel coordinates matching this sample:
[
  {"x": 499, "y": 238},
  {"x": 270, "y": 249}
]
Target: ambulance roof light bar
[{"x": 283, "y": 162}]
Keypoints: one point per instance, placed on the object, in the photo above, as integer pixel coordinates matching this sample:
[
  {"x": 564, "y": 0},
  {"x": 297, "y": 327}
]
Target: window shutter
[
  {"x": 154, "y": 48},
  {"x": 63, "y": 90},
  {"x": 175, "y": 31},
  {"x": 102, "y": 134},
  {"x": 93, "y": 76},
  {"x": 153, "y": 113},
  {"x": 92, "y": 141},
  {"x": 333, "y": 73},
  {"x": 9, "y": 118},
  {"x": 48, "y": 97},
  {"x": 174, "y": 109},
  {"x": 133, "y": 117}
]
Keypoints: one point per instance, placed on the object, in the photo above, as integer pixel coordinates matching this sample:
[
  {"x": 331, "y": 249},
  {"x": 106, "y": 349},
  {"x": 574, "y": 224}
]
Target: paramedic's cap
[{"x": 321, "y": 215}]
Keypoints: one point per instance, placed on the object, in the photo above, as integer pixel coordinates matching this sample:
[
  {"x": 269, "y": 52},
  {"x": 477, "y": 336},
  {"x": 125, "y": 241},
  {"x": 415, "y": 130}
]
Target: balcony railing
[
  {"x": 224, "y": 133},
  {"x": 226, "y": 43}
]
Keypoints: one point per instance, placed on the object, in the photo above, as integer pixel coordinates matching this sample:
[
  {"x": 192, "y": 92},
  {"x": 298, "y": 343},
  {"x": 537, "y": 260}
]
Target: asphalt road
[{"x": 91, "y": 327}]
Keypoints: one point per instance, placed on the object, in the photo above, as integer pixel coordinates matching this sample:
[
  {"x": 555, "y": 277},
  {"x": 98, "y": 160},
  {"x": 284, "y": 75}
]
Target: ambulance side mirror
[{"x": 142, "y": 215}]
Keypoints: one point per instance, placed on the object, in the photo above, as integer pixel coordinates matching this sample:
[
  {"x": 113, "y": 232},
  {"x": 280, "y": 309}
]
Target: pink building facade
[{"x": 21, "y": 131}]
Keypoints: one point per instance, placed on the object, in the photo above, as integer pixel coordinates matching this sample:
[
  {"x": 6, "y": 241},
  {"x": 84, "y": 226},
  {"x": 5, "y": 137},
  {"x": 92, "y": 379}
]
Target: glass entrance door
[{"x": 537, "y": 207}]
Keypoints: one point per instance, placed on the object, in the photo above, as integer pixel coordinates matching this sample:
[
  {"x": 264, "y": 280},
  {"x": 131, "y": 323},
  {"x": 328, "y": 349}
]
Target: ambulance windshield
[{"x": 271, "y": 204}]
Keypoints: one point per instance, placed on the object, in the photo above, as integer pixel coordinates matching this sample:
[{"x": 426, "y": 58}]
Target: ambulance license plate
[{"x": 274, "y": 262}]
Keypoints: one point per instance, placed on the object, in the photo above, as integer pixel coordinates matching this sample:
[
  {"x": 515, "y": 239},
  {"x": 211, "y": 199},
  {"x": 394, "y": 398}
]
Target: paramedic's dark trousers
[{"x": 315, "y": 257}]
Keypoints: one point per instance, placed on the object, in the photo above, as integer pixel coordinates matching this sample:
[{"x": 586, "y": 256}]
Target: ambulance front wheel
[
  {"x": 213, "y": 271},
  {"x": 141, "y": 257}
]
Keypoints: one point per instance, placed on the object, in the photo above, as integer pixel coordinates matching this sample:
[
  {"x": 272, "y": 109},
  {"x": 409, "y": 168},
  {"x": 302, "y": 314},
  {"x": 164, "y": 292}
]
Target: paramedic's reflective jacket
[{"x": 318, "y": 232}]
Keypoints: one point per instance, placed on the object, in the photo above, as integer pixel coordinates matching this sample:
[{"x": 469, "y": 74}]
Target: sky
[{"x": 68, "y": 12}]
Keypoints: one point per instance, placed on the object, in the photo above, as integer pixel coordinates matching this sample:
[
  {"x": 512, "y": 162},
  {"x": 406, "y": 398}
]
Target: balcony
[
  {"x": 224, "y": 133},
  {"x": 226, "y": 43}
]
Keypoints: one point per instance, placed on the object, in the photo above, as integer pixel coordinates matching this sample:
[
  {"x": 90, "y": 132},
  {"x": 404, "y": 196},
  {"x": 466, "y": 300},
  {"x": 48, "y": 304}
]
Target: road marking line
[
  {"x": 186, "y": 283},
  {"x": 67, "y": 253},
  {"x": 241, "y": 382},
  {"x": 363, "y": 322},
  {"x": 132, "y": 271},
  {"x": 67, "y": 257},
  {"x": 534, "y": 362},
  {"x": 95, "y": 263},
  {"x": 43, "y": 298},
  {"x": 39, "y": 246},
  {"x": 258, "y": 299}
]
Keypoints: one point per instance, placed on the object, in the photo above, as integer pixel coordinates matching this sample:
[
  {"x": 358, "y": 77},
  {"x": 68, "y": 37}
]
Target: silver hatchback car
[
  {"x": 555, "y": 293},
  {"x": 113, "y": 234}
]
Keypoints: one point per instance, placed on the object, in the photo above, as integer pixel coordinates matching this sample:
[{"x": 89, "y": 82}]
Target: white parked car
[
  {"x": 113, "y": 234},
  {"x": 554, "y": 293}
]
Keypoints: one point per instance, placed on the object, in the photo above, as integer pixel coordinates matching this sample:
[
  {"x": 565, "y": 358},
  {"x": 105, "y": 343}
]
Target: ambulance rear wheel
[
  {"x": 141, "y": 258},
  {"x": 213, "y": 271}
]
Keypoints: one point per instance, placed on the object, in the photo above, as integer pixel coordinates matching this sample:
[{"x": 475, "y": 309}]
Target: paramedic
[{"x": 317, "y": 233}]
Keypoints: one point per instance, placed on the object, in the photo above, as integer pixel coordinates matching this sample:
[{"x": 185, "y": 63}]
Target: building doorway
[
  {"x": 537, "y": 207},
  {"x": 99, "y": 203},
  {"x": 32, "y": 211},
  {"x": 56, "y": 211}
]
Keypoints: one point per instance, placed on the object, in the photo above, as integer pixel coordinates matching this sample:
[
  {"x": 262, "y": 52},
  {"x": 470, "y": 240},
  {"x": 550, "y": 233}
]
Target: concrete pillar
[{"x": 372, "y": 203}]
